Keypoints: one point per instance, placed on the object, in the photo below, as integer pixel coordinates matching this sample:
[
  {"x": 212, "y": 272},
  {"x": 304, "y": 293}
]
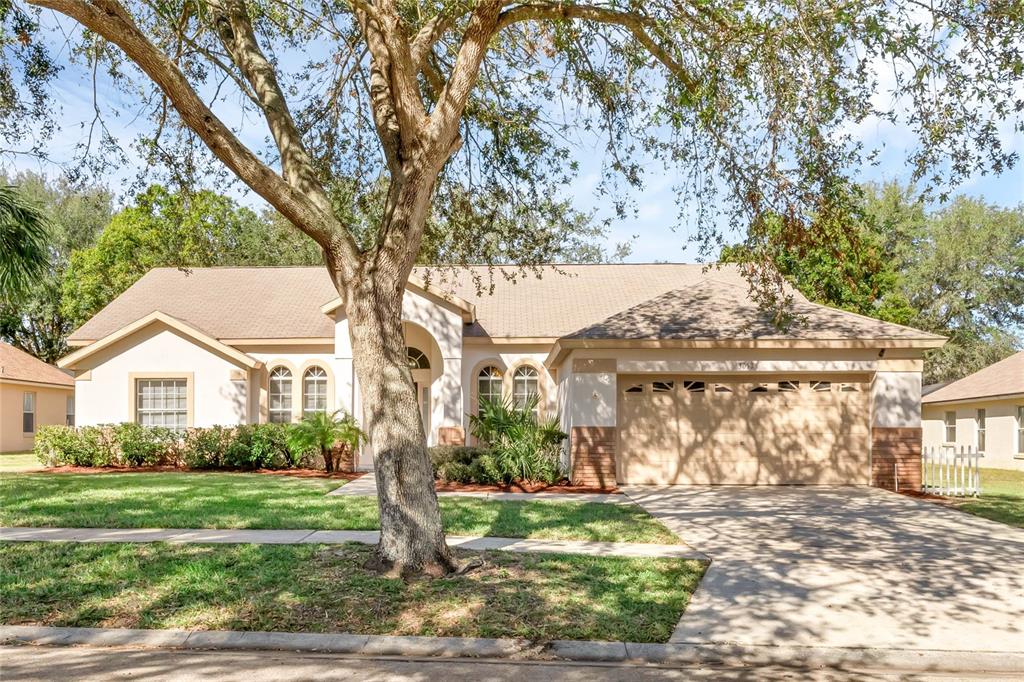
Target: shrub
[
  {"x": 54, "y": 445},
  {"x": 522, "y": 448},
  {"x": 464, "y": 464},
  {"x": 144, "y": 445},
  {"x": 258, "y": 446},
  {"x": 206, "y": 448}
]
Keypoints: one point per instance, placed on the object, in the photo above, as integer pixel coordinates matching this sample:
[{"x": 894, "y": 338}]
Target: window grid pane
[
  {"x": 525, "y": 384},
  {"x": 489, "y": 384},
  {"x": 280, "y": 396},
  {"x": 28, "y": 412},
  {"x": 314, "y": 391},
  {"x": 162, "y": 402}
]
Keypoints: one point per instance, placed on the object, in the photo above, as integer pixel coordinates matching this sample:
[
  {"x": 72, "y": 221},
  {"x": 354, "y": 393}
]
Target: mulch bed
[
  {"x": 520, "y": 487},
  {"x": 298, "y": 473}
]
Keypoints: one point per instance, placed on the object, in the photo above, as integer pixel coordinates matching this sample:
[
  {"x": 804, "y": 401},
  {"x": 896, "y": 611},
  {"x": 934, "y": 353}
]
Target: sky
[{"x": 654, "y": 229}]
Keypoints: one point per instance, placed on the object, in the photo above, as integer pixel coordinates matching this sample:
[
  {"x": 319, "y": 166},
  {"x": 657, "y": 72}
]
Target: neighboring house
[
  {"x": 984, "y": 410},
  {"x": 32, "y": 394},
  {"x": 660, "y": 373}
]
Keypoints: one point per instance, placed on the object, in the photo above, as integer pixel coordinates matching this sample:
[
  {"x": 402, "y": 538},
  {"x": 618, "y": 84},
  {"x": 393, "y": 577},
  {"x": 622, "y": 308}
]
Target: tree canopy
[{"x": 957, "y": 271}]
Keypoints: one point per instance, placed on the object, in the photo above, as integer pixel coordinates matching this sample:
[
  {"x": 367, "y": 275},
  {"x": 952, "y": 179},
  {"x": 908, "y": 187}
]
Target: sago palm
[{"x": 320, "y": 432}]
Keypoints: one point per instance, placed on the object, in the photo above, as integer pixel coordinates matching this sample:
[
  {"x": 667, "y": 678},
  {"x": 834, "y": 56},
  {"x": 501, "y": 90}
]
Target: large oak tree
[{"x": 754, "y": 106}]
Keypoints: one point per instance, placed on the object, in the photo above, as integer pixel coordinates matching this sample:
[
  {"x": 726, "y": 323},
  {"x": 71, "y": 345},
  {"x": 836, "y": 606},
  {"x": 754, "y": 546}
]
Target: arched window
[
  {"x": 280, "y": 395},
  {"x": 488, "y": 384},
  {"x": 526, "y": 383},
  {"x": 417, "y": 358},
  {"x": 314, "y": 390}
]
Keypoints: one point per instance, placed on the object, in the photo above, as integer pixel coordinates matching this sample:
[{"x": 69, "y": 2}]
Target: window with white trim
[
  {"x": 280, "y": 398},
  {"x": 1020, "y": 429},
  {"x": 314, "y": 390},
  {"x": 979, "y": 430},
  {"x": 69, "y": 411},
  {"x": 526, "y": 384},
  {"x": 162, "y": 402},
  {"x": 488, "y": 385},
  {"x": 28, "y": 412},
  {"x": 949, "y": 419}
]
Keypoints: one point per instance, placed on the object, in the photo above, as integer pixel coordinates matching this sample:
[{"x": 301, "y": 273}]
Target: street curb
[{"x": 909, "y": 660}]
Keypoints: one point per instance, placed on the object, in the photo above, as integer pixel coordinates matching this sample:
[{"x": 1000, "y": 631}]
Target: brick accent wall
[
  {"x": 593, "y": 455},
  {"x": 896, "y": 451},
  {"x": 451, "y": 435}
]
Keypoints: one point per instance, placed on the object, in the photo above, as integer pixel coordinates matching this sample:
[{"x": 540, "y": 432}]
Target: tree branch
[
  {"x": 636, "y": 23},
  {"x": 236, "y": 33},
  {"x": 110, "y": 20}
]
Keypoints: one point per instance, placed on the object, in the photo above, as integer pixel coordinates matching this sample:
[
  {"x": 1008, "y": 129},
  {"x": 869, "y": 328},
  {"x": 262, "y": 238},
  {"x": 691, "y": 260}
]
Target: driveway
[{"x": 847, "y": 567}]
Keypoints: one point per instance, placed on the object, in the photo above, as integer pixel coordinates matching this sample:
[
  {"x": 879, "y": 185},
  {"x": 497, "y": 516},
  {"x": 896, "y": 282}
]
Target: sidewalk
[
  {"x": 366, "y": 486},
  {"x": 330, "y": 537}
]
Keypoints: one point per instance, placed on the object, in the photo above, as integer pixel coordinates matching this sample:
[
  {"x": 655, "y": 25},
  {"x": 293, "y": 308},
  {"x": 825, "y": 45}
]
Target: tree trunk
[{"x": 412, "y": 538}]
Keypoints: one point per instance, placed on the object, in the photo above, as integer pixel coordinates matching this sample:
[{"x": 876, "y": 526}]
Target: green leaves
[{"x": 23, "y": 245}]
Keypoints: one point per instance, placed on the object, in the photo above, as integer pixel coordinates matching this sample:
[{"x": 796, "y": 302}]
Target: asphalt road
[{"x": 23, "y": 662}]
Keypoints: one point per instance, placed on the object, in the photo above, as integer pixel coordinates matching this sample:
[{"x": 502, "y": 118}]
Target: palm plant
[
  {"x": 523, "y": 447},
  {"x": 321, "y": 432},
  {"x": 23, "y": 244}
]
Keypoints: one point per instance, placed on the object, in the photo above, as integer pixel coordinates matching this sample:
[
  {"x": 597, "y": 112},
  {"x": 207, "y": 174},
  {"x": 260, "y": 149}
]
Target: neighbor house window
[
  {"x": 979, "y": 423},
  {"x": 525, "y": 384},
  {"x": 950, "y": 421},
  {"x": 314, "y": 390},
  {"x": 162, "y": 402},
  {"x": 280, "y": 396},
  {"x": 488, "y": 385},
  {"x": 28, "y": 412},
  {"x": 1020, "y": 429},
  {"x": 69, "y": 412}
]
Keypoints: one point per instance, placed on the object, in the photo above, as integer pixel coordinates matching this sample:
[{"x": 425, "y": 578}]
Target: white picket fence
[{"x": 951, "y": 471}]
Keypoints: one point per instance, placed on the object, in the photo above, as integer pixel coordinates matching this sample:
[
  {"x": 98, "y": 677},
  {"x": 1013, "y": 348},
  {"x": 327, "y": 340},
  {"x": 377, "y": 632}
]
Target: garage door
[{"x": 677, "y": 429}]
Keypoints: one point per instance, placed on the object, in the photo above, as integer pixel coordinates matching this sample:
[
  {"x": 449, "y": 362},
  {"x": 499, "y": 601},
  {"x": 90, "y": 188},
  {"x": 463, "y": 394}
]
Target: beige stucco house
[
  {"x": 660, "y": 373},
  {"x": 32, "y": 394},
  {"x": 984, "y": 411}
]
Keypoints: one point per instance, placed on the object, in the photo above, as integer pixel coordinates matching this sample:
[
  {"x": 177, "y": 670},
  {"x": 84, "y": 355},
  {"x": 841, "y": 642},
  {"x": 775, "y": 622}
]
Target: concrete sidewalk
[
  {"x": 330, "y": 537},
  {"x": 366, "y": 486}
]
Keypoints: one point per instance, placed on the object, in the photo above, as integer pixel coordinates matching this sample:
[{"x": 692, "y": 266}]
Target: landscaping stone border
[{"x": 581, "y": 651}]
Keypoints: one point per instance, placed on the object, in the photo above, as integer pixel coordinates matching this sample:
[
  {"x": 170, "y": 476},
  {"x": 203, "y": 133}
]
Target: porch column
[
  {"x": 896, "y": 426},
  {"x": 593, "y": 420}
]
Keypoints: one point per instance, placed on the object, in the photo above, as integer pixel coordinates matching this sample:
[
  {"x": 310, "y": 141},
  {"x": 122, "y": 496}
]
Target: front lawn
[
  {"x": 18, "y": 461},
  {"x": 231, "y": 500},
  {"x": 1002, "y": 497},
  {"x": 313, "y": 588}
]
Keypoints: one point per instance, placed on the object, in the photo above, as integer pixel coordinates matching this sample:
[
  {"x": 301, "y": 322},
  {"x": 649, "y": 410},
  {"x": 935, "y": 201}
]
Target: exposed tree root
[{"x": 441, "y": 568}]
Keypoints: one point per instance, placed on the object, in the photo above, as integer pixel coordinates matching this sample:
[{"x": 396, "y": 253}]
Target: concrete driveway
[{"x": 846, "y": 567}]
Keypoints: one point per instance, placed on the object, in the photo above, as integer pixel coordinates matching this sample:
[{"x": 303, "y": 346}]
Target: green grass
[
  {"x": 312, "y": 588},
  {"x": 18, "y": 461},
  {"x": 1002, "y": 497},
  {"x": 229, "y": 500}
]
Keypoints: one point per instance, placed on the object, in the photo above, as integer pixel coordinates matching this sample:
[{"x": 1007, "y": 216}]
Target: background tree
[
  {"x": 747, "y": 101},
  {"x": 176, "y": 229},
  {"x": 957, "y": 271},
  {"x": 74, "y": 216}
]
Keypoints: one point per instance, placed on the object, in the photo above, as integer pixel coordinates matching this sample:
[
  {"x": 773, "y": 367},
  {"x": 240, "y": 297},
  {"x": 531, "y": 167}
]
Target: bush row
[{"x": 252, "y": 446}]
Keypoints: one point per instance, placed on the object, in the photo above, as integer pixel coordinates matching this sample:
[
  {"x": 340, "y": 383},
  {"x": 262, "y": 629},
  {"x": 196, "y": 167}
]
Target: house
[
  {"x": 659, "y": 373},
  {"x": 32, "y": 394},
  {"x": 984, "y": 410}
]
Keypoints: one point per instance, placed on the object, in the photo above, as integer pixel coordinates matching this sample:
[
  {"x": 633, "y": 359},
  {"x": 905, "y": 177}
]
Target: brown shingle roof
[
  {"x": 720, "y": 310},
  {"x": 231, "y": 303},
  {"x": 1005, "y": 377},
  {"x": 17, "y": 365}
]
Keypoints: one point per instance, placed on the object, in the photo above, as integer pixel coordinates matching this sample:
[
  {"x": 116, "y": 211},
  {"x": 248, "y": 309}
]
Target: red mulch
[
  {"x": 299, "y": 473},
  {"x": 520, "y": 487}
]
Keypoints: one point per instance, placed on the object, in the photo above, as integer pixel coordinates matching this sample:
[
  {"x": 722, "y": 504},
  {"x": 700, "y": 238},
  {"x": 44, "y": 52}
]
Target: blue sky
[{"x": 654, "y": 229}]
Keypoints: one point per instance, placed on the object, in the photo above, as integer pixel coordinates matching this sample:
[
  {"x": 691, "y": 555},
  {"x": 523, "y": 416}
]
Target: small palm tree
[
  {"x": 320, "y": 432},
  {"x": 23, "y": 244}
]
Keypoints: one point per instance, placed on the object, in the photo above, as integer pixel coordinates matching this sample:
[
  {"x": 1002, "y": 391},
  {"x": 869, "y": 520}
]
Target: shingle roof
[
  {"x": 232, "y": 303},
  {"x": 1005, "y": 377},
  {"x": 721, "y": 310},
  {"x": 17, "y": 365}
]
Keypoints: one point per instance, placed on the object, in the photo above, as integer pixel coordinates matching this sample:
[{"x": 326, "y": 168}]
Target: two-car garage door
[{"x": 731, "y": 430}]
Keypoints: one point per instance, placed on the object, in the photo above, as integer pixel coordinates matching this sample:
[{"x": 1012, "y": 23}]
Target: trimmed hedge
[{"x": 251, "y": 446}]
